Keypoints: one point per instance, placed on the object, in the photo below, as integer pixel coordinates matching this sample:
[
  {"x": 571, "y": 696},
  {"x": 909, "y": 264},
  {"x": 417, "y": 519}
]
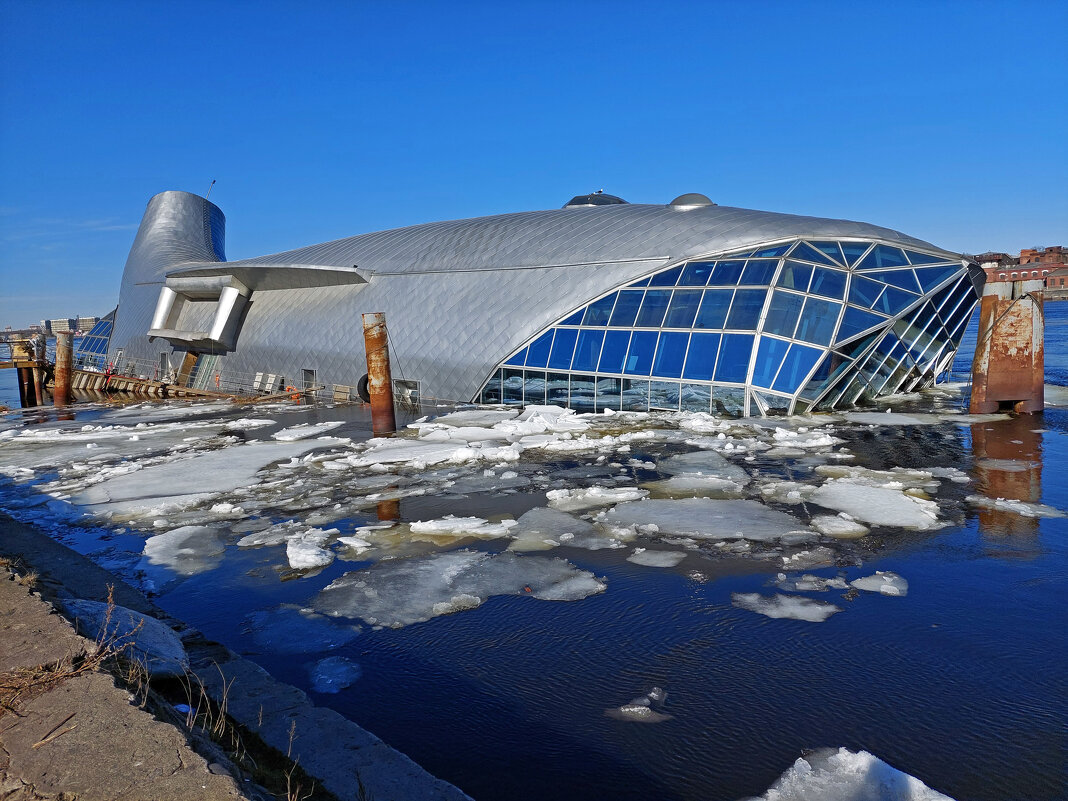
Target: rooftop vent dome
[
  {"x": 598, "y": 198},
  {"x": 691, "y": 199}
]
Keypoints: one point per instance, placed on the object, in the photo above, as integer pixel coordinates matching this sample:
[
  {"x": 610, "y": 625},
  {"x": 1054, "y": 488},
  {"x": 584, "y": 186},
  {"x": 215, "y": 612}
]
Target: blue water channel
[{"x": 961, "y": 683}]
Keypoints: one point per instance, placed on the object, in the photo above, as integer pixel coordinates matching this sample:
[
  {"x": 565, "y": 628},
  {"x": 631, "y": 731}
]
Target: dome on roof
[
  {"x": 692, "y": 199},
  {"x": 598, "y": 198}
]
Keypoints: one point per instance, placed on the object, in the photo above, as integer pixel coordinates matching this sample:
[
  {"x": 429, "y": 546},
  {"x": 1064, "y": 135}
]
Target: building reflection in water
[{"x": 1008, "y": 464}]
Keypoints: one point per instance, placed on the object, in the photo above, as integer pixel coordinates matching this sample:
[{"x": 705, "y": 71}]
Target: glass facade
[
  {"x": 779, "y": 329},
  {"x": 93, "y": 348}
]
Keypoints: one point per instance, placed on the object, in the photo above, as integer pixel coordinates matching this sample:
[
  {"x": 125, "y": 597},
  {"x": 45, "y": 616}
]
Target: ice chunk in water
[
  {"x": 543, "y": 528},
  {"x": 187, "y": 550},
  {"x": 334, "y": 674},
  {"x": 574, "y": 500},
  {"x": 704, "y": 463},
  {"x": 469, "y": 526},
  {"x": 887, "y": 583},
  {"x": 293, "y": 630},
  {"x": 844, "y": 775},
  {"x": 692, "y": 485},
  {"x": 401, "y": 592},
  {"x": 1022, "y": 508},
  {"x": 809, "y": 583},
  {"x": 784, "y": 606},
  {"x": 641, "y": 556},
  {"x": 306, "y": 430},
  {"x": 643, "y": 709},
  {"x": 705, "y": 518},
  {"x": 840, "y": 527},
  {"x": 474, "y": 417},
  {"x": 878, "y": 506},
  {"x": 305, "y": 550}
]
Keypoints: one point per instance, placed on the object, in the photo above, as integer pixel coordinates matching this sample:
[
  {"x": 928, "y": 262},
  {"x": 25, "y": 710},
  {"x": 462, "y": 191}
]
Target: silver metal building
[{"x": 600, "y": 304}]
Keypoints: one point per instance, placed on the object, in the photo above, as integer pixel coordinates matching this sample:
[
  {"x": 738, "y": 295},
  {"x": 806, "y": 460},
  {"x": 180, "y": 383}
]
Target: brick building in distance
[{"x": 1048, "y": 264}]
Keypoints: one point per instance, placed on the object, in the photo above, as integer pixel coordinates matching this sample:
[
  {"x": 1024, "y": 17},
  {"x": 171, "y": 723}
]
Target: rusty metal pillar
[
  {"x": 1009, "y": 364},
  {"x": 379, "y": 377},
  {"x": 64, "y": 360}
]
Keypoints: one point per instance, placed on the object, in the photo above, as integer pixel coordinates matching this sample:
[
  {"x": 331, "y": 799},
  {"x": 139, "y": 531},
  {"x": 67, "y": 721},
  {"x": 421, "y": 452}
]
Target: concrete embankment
[{"x": 111, "y": 749}]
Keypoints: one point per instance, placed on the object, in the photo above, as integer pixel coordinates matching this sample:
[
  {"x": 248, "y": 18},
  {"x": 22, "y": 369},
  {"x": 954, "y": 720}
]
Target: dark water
[{"x": 962, "y": 683}]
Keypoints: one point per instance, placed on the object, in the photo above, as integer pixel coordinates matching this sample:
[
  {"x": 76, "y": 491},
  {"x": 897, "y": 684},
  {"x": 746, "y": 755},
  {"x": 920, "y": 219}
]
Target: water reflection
[{"x": 1008, "y": 464}]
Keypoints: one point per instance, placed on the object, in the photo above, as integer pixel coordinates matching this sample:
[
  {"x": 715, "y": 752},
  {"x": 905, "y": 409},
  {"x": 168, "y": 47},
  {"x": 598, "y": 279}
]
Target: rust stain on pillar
[
  {"x": 64, "y": 360},
  {"x": 379, "y": 377},
  {"x": 1009, "y": 363}
]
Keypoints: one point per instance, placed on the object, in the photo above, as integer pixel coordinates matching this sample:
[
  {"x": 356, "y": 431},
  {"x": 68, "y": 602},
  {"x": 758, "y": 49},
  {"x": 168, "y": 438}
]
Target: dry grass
[{"x": 110, "y": 649}]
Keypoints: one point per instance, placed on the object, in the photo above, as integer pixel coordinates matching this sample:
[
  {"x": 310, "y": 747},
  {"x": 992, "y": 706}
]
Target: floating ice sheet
[
  {"x": 884, "y": 582},
  {"x": 306, "y": 430},
  {"x": 704, "y": 463},
  {"x": 704, "y": 518},
  {"x": 878, "y": 506},
  {"x": 840, "y": 526},
  {"x": 809, "y": 583},
  {"x": 398, "y": 593},
  {"x": 333, "y": 674},
  {"x": 305, "y": 550},
  {"x": 843, "y": 775},
  {"x": 692, "y": 485},
  {"x": 784, "y": 606},
  {"x": 1023, "y": 508},
  {"x": 187, "y": 550},
  {"x": 543, "y": 528},
  {"x": 643, "y": 709},
  {"x": 575, "y": 500},
  {"x": 655, "y": 558}
]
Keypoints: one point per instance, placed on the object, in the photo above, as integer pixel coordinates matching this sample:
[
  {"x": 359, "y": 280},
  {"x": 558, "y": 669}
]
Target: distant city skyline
[{"x": 330, "y": 120}]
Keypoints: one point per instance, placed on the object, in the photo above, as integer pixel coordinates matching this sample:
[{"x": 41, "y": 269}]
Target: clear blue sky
[{"x": 320, "y": 120}]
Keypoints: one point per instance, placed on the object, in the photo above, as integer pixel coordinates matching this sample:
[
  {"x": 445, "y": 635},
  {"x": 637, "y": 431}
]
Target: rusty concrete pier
[
  {"x": 379, "y": 374},
  {"x": 1009, "y": 365}
]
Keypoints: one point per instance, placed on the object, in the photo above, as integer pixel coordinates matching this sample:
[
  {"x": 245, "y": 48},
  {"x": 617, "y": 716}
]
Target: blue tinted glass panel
[
  {"x": 563, "y": 348},
  {"x": 894, "y": 301},
  {"x": 588, "y": 350},
  {"x": 533, "y": 387},
  {"x": 783, "y": 313},
  {"x": 714, "y": 306},
  {"x": 734, "y": 353},
  {"x": 799, "y": 361},
  {"x": 651, "y": 314},
  {"x": 777, "y": 250},
  {"x": 519, "y": 359},
  {"x": 745, "y": 311},
  {"x": 759, "y": 272},
  {"x": 933, "y": 276},
  {"x": 626, "y": 308},
  {"x": 666, "y": 278},
  {"x": 696, "y": 273},
  {"x": 641, "y": 282},
  {"x": 614, "y": 351},
  {"x": 795, "y": 275},
  {"x": 669, "y": 354},
  {"x": 883, "y": 256},
  {"x": 853, "y": 250},
  {"x": 575, "y": 319},
  {"x": 640, "y": 355},
  {"x": 683, "y": 308},
  {"x": 906, "y": 279},
  {"x": 864, "y": 292},
  {"x": 854, "y": 321},
  {"x": 829, "y": 283},
  {"x": 726, "y": 273},
  {"x": 923, "y": 258},
  {"x": 538, "y": 355},
  {"x": 701, "y": 360},
  {"x": 818, "y": 321},
  {"x": 806, "y": 251},
  {"x": 598, "y": 312},
  {"x": 769, "y": 356},
  {"x": 830, "y": 249}
]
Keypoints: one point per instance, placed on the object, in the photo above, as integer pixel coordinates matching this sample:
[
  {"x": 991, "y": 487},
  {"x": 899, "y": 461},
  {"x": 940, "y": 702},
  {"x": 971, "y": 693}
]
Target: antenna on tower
[{"x": 209, "y": 189}]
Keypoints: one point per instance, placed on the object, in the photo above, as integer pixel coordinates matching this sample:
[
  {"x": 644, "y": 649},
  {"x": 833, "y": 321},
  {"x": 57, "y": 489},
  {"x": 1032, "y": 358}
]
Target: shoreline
[{"x": 340, "y": 757}]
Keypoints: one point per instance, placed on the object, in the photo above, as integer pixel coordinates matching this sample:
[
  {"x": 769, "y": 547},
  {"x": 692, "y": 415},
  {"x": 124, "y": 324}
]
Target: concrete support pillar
[
  {"x": 379, "y": 377},
  {"x": 64, "y": 362},
  {"x": 1009, "y": 364}
]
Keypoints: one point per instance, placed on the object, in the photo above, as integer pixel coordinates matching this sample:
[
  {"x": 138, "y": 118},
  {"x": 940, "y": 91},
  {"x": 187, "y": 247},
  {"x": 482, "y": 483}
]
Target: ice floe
[
  {"x": 809, "y": 583},
  {"x": 704, "y": 518},
  {"x": 643, "y": 709},
  {"x": 839, "y": 527},
  {"x": 877, "y": 506},
  {"x": 574, "y": 500},
  {"x": 793, "y": 607},
  {"x": 399, "y": 593},
  {"x": 543, "y": 528},
  {"x": 884, "y": 582},
  {"x": 844, "y": 775},
  {"x": 186, "y": 550},
  {"x": 333, "y": 674},
  {"x": 305, "y": 550},
  {"x": 653, "y": 558},
  {"x": 306, "y": 430},
  {"x": 1023, "y": 508}
]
